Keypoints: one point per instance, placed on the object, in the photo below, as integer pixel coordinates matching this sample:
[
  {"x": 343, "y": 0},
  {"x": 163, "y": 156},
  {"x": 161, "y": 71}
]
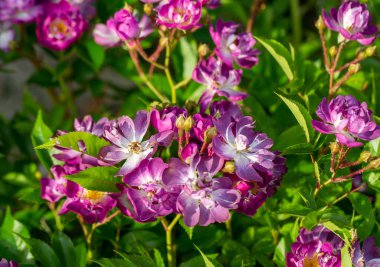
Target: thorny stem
[
  {"x": 345, "y": 66},
  {"x": 331, "y": 71},
  {"x": 88, "y": 236},
  {"x": 345, "y": 195},
  {"x": 57, "y": 219},
  {"x": 341, "y": 81},
  {"x": 169, "y": 238},
  {"x": 182, "y": 83},
  {"x": 146, "y": 58},
  {"x": 255, "y": 9},
  {"x": 143, "y": 77},
  {"x": 345, "y": 177},
  {"x": 324, "y": 48}
]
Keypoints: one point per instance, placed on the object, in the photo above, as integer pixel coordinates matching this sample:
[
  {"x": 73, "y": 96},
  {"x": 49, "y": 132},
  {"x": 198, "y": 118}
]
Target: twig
[{"x": 255, "y": 9}]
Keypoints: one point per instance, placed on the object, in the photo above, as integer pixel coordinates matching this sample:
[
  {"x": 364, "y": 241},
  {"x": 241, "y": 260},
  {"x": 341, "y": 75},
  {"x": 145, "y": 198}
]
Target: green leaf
[
  {"x": 189, "y": 53},
  {"x": 280, "y": 54},
  {"x": 70, "y": 140},
  {"x": 341, "y": 232},
  {"x": 346, "y": 258},
  {"x": 296, "y": 210},
  {"x": 97, "y": 179},
  {"x": 301, "y": 114},
  {"x": 361, "y": 204},
  {"x": 40, "y": 135},
  {"x": 188, "y": 230},
  {"x": 43, "y": 253},
  {"x": 205, "y": 259},
  {"x": 65, "y": 249},
  {"x": 299, "y": 149},
  {"x": 374, "y": 146},
  {"x": 158, "y": 258},
  {"x": 96, "y": 53},
  {"x": 316, "y": 172},
  {"x": 279, "y": 253},
  {"x": 114, "y": 263}
]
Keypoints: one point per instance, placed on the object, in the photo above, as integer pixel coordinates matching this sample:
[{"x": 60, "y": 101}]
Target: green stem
[
  {"x": 67, "y": 96},
  {"x": 296, "y": 22},
  {"x": 167, "y": 72},
  {"x": 169, "y": 239},
  {"x": 58, "y": 222}
]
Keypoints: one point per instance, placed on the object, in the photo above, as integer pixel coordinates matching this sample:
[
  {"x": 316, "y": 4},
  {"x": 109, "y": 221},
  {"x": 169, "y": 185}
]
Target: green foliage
[{"x": 97, "y": 179}]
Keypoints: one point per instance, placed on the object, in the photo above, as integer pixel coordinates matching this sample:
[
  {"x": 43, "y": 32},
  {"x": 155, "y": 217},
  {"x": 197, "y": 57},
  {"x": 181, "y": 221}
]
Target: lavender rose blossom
[
  {"x": 60, "y": 25},
  {"x": 232, "y": 47},
  {"x": 201, "y": 198},
  {"x": 352, "y": 22},
  {"x": 348, "y": 119},
  {"x": 319, "y": 247},
  {"x": 180, "y": 14},
  {"x": 249, "y": 149},
  {"x": 368, "y": 256},
  {"x": 145, "y": 198},
  {"x": 219, "y": 78}
]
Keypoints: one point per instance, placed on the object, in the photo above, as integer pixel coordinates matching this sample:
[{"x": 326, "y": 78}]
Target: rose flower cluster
[
  {"x": 58, "y": 23},
  {"x": 221, "y": 163}
]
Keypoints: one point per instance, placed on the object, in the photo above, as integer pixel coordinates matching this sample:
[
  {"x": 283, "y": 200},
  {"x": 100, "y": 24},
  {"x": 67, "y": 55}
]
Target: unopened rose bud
[
  {"x": 148, "y": 9},
  {"x": 203, "y": 50},
  {"x": 229, "y": 167},
  {"x": 188, "y": 124},
  {"x": 210, "y": 133},
  {"x": 320, "y": 24},
  {"x": 361, "y": 55},
  {"x": 365, "y": 156},
  {"x": 333, "y": 51},
  {"x": 370, "y": 51},
  {"x": 374, "y": 164},
  {"x": 334, "y": 147},
  {"x": 128, "y": 7},
  {"x": 179, "y": 123},
  {"x": 354, "y": 68}
]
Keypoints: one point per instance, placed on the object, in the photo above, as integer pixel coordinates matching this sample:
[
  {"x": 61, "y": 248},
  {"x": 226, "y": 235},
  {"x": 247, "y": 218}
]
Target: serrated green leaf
[
  {"x": 64, "y": 248},
  {"x": 70, "y": 140},
  {"x": 207, "y": 261},
  {"x": 361, "y": 204},
  {"x": 40, "y": 135},
  {"x": 158, "y": 258},
  {"x": 43, "y": 253},
  {"x": 299, "y": 149},
  {"x": 280, "y": 54},
  {"x": 97, "y": 179},
  {"x": 188, "y": 230},
  {"x": 301, "y": 114}
]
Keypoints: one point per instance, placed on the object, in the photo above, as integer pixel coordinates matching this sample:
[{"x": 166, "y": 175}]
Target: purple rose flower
[
  {"x": 369, "y": 256},
  {"x": 54, "y": 189},
  {"x": 219, "y": 79},
  {"x": 219, "y": 108},
  {"x": 19, "y": 11},
  {"x": 87, "y": 124},
  {"x": 5, "y": 263},
  {"x": 127, "y": 135},
  {"x": 93, "y": 206},
  {"x": 319, "y": 247},
  {"x": 249, "y": 149},
  {"x": 86, "y": 7},
  {"x": 7, "y": 36},
  {"x": 145, "y": 198},
  {"x": 106, "y": 34},
  {"x": 202, "y": 199},
  {"x": 254, "y": 194},
  {"x": 201, "y": 124},
  {"x": 165, "y": 119},
  {"x": 349, "y": 120},
  {"x": 59, "y": 26},
  {"x": 121, "y": 28},
  {"x": 352, "y": 21},
  {"x": 126, "y": 25},
  {"x": 180, "y": 14},
  {"x": 232, "y": 47}
]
